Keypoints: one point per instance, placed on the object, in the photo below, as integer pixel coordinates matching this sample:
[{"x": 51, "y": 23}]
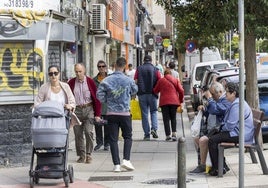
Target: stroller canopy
[{"x": 49, "y": 108}]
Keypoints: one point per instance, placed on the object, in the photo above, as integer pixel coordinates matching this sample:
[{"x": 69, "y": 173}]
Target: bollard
[{"x": 181, "y": 171}]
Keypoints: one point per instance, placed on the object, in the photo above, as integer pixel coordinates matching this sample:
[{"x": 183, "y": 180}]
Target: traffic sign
[
  {"x": 190, "y": 46},
  {"x": 166, "y": 43}
]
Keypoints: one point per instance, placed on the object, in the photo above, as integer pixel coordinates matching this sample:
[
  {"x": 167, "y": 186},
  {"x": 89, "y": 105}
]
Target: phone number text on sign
[{"x": 17, "y": 4}]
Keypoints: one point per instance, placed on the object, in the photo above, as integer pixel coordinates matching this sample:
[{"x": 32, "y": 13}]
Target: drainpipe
[
  {"x": 47, "y": 42},
  {"x": 85, "y": 49}
]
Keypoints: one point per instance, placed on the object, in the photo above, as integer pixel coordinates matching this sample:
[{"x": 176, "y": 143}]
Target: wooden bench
[{"x": 257, "y": 119}]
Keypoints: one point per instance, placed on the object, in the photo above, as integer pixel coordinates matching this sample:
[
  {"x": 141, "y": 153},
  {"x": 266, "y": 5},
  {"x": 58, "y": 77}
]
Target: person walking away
[
  {"x": 101, "y": 133},
  {"x": 146, "y": 77},
  {"x": 229, "y": 131},
  {"x": 217, "y": 105},
  {"x": 116, "y": 90},
  {"x": 171, "y": 96},
  {"x": 88, "y": 107},
  {"x": 131, "y": 71},
  {"x": 159, "y": 67},
  {"x": 172, "y": 66}
]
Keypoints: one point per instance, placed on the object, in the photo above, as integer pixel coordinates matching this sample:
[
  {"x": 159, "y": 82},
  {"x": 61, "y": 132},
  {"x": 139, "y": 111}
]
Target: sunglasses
[
  {"x": 55, "y": 73},
  {"x": 101, "y": 66}
]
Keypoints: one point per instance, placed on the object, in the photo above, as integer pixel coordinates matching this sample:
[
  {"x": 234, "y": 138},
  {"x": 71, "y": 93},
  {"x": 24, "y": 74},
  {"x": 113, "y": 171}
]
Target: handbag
[
  {"x": 135, "y": 109},
  {"x": 196, "y": 124}
]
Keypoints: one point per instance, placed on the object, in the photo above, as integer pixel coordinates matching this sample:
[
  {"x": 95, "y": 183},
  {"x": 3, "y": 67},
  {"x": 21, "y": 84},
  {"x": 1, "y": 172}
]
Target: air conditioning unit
[{"x": 98, "y": 17}]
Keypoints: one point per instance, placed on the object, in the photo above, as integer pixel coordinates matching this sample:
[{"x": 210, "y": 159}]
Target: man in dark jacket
[
  {"x": 101, "y": 131},
  {"x": 146, "y": 77}
]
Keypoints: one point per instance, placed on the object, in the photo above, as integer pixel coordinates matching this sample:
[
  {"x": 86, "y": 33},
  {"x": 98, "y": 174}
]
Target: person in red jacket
[
  {"x": 171, "y": 97},
  {"x": 88, "y": 107}
]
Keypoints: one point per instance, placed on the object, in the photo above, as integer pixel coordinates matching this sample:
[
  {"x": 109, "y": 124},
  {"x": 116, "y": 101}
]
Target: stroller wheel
[
  {"x": 31, "y": 182},
  {"x": 66, "y": 179},
  {"x": 71, "y": 173}
]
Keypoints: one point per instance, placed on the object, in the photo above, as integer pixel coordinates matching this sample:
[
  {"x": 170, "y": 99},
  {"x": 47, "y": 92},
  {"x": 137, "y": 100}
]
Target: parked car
[
  {"x": 214, "y": 75},
  {"x": 198, "y": 73},
  {"x": 208, "y": 76}
]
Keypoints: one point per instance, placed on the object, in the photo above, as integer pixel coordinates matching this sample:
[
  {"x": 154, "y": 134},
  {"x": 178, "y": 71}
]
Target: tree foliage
[{"x": 206, "y": 20}]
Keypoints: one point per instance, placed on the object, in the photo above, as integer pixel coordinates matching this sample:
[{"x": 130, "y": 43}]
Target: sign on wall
[{"x": 31, "y": 4}]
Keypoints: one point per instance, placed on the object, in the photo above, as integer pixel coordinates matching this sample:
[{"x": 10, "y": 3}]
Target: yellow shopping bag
[
  {"x": 180, "y": 109},
  {"x": 135, "y": 109}
]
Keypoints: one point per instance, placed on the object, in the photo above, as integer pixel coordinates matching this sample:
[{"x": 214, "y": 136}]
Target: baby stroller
[{"x": 50, "y": 128}]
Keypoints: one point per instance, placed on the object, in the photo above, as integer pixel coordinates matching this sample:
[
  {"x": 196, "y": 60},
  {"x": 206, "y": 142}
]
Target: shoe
[
  {"x": 214, "y": 172},
  {"x": 97, "y": 147},
  {"x": 168, "y": 138},
  {"x": 174, "y": 136},
  {"x": 127, "y": 165},
  {"x": 154, "y": 133},
  {"x": 81, "y": 159},
  {"x": 199, "y": 169},
  {"x": 88, "y": 159},
  {"x": 117, "y": 168},
  {"x": 146, "y": 138},
  {"x": 226, "y": 167},
  {"x": 106, "y": 148}
]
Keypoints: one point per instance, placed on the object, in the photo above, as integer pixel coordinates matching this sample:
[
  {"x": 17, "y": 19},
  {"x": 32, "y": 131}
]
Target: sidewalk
[{"x": 155, "y": 162}]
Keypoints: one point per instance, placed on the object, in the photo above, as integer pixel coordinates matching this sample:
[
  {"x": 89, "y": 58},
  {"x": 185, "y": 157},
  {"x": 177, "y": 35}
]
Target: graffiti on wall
[{"x": 21, "y": 68}]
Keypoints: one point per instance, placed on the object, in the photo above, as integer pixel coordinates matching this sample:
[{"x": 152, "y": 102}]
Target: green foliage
[
  {"x": 262, "y": 45},
  {"x": 205, "y": 20}
]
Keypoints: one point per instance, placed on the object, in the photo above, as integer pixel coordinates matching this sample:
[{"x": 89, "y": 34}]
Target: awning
[{"x": 10, "y": 29}]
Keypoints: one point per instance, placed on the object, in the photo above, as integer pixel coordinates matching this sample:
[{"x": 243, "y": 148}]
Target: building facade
[{"x": 37, "y": 34}]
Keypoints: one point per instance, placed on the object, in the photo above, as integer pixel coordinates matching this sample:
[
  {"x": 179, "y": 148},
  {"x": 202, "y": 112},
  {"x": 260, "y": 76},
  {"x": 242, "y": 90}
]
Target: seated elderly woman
[{"x": 229, "y": 131}]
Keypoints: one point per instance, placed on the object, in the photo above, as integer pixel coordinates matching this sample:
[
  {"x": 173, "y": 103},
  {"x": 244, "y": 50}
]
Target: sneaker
[
  {"x": 226, "y": 167},
  {"x": 127, "y": 165},
  {"x": 117, "y": 168},
  {"x": 81, "y": 159},
  {"x": 88, "y": 159},
  {"x": 199, "y": 169},
  {"x": 154, "y": 133},
  {"x": 214, "y": 172},
  {"x": 146, "y": 138},
  {"x": 174, "y": 138},
  {"x": 97, "y": 147},
  {"x": 106, "y": 148},
  {"x": 168, "y": 138}
]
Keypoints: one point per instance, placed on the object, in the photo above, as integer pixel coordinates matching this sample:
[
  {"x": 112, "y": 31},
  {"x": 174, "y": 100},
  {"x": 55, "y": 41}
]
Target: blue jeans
[{"x": 148, "y": 102}]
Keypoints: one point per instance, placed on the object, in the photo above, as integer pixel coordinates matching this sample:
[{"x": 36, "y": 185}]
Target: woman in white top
[{"x": 56, "y": 90}]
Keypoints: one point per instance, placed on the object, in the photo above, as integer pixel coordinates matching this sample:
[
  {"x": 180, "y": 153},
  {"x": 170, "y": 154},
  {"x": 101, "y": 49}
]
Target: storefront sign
[{"x": 30, "y": 4}]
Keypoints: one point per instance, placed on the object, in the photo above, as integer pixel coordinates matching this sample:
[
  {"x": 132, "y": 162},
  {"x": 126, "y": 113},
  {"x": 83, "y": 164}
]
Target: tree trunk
[{"x": 252, "y": 94}]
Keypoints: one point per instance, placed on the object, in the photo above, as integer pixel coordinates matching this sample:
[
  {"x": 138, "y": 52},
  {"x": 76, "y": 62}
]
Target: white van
[{"x": 197, "y": 75}]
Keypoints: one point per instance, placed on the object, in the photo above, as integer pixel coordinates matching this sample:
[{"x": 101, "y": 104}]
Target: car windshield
[{"x": 220, "y": 66}]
